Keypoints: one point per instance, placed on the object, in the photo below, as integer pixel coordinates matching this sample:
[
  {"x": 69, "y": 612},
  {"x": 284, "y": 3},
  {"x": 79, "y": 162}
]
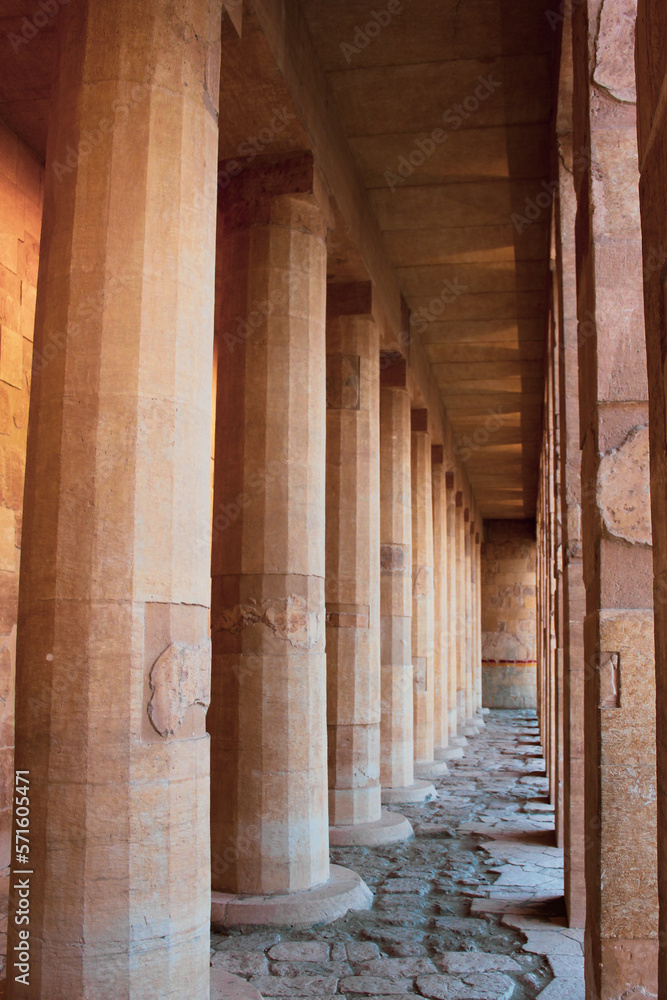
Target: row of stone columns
[
  {"x": 344, "y": 643},
  {"x": 331, "y": 568},
  {"x": 597, "y": 663}
]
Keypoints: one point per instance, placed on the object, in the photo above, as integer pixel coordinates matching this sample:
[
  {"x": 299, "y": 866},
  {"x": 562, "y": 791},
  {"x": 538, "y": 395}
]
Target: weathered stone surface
[
  {"x": 391, "y": 967},
  {"x": 307, "y": 986},
  {"x": 372, "y": 986},
  {"x": 294, "y": 951},
  {"x": 623, "y": 493},
  {"x": 180, "y": 679},
  {"x": 615, "y": 49},
  {"x": 458, "y": 963},
  {"x": 406, "y": 885},
  {"x": 476, "y": 986},
  {"x": 240, "y": 963},
  {"x": 288, "y": 618}
]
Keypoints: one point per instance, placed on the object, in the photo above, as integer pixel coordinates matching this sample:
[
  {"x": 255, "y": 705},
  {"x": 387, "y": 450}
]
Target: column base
[
  {"x": 224, "y": 986},
  {"x": 391, "y": 828},
  {"x": 448, "y": 753},
  {"x": 322, "y": 904},
  {"x": 485, "y": 711},
  {"x": 421, "y": 791},
  {"x": 471, "y": 727},
  {"x": 458, "y": 741},
  {"x": 430, "y": 768}
]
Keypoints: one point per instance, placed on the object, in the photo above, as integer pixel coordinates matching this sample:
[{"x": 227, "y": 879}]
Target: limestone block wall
[
  {"x": 21, "y": 185},
  {"x": 509, "y": 630}
]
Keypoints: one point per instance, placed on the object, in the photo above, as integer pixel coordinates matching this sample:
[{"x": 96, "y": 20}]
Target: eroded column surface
[
  {"x": 113, "y": 670},
  {"x": 423, "y": 598},
  {"x": 352, "y": 587},
  {"x": 651, "y": 90},
  {"x": 397, "y": 724},
  {"x": 269, "y": 813},
  {"x": 440, "y": 572},
  {"x": 619, "y": 699}
]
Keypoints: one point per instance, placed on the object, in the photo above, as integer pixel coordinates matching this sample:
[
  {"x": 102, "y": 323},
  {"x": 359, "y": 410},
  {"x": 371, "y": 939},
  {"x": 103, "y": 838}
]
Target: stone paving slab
[
  {"x": 481, "y": 986},
  {"x": 564, "y": 989}
]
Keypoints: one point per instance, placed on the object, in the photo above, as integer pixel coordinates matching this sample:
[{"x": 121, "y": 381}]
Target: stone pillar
[
  {"x": 621, "y": 852},
  {"x": 456, "y": 741},
  {"x": 460, "y": 614},
  {"x": 441, "y": 708},
  {"x": 396, "y": 724},
  {"x": 478, "y": 623},
  {"x": 471, "y": 727},
  {"x": 352, "y": 585},
  {"x": 269, "y": 816},
  {"x": 113, "y": 662},
  {"x": 423, "y": 657},
  {"x": 573, "y": 598},
  {"x": 651, "y": 90}
]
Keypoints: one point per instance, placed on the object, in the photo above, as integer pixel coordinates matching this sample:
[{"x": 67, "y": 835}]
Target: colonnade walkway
[{"x": 470, "y": 909}]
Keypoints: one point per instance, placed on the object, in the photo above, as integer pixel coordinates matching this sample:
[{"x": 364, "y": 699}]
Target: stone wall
[
  {"x": 509, "y": 614},
  {"x": 21, "y": 184}
]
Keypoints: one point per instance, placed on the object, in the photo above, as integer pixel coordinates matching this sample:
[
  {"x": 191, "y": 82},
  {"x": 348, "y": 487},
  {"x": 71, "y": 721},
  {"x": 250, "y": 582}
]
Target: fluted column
[
  {"x": 423, "y": 605},
  {"x": 352, "y": 587},
  {"x": 469, "y": 632},
  {"x": 456, "y": 740},
  {"x": 113, "y": 664},
  {"x": 440, "y": 713},
  {"x": 397, "y": 725},
  {"x": 478, "y": 622},
  {"x": 460, "y": 613},
  {"x": 269, "y": 815}
]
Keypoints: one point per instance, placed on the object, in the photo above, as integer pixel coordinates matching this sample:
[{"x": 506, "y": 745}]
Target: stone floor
[{"x": 471, "y": 909}]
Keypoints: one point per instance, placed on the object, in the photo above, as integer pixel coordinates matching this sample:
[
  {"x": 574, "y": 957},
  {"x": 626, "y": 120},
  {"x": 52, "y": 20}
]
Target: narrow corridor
[{"x": 471, "y": 909}]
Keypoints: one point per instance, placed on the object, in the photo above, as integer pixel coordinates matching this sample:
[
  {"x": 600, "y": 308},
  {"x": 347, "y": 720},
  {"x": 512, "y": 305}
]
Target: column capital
[
  {"x": 393, "y": 370},
  {"x": 261, "y": 193},
  {"x": 350, "y": 298},
  {"x": 419, "y": 419}
]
